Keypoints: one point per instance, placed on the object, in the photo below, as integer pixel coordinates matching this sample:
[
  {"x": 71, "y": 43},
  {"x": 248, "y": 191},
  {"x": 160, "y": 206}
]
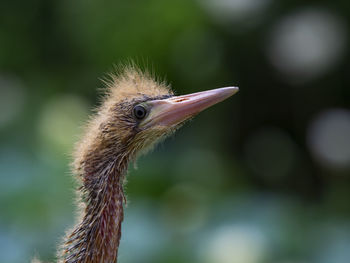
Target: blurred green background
[{"x": 261, "y": 177}]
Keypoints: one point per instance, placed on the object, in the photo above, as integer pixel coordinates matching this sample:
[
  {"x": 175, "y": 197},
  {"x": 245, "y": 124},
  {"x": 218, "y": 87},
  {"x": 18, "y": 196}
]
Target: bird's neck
[{"x": 97, "y": 235}]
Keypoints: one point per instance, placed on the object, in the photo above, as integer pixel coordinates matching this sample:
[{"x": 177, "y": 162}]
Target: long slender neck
[{"x": 96, "y": 237}]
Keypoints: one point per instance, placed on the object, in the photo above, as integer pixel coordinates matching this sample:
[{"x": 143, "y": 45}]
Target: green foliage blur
[{"x": 261, "y": 177}]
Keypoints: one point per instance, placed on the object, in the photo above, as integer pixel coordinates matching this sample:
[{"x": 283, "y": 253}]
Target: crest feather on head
[{"x": 130, "y": 81}]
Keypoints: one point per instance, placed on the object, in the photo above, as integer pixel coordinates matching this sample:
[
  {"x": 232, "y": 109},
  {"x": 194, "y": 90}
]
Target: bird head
[{"x": 138, "y": 111}]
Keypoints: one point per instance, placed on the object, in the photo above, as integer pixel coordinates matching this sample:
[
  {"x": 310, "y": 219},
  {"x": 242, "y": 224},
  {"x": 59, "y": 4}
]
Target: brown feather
[{"x": 101, "y": 159}]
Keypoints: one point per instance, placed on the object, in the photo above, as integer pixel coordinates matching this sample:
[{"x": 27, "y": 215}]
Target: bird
[{"x": 136, "y": 112}]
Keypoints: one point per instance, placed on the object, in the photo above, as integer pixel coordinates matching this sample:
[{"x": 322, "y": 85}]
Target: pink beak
[{"x": 172, "y": 111}]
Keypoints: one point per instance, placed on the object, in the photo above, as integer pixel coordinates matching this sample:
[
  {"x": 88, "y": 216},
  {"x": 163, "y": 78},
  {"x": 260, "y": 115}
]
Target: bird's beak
[{"x": 174, "y": 110}]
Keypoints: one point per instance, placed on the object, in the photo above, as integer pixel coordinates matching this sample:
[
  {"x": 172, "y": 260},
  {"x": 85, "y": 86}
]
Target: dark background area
[{"x": 261, "y": 177}]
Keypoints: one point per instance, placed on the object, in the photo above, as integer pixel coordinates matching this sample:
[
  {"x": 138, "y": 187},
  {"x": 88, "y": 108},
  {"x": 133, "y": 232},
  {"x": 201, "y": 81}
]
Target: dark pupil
[{"x": 139, "y": 112}]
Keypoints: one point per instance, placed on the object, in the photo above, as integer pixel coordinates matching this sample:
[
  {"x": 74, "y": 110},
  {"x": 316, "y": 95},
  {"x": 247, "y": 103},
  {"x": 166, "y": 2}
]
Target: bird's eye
[{"x": 139, "y": 112}]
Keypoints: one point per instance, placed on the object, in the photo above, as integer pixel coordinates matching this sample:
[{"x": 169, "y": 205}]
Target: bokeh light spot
[
  {"x": 236, "y": 244},
  {"x": 306, "y": 44},
  {"x": 329, "y": 138},
  {"x": 244, "y": 12},
  {"x": 61, "y": 122}
]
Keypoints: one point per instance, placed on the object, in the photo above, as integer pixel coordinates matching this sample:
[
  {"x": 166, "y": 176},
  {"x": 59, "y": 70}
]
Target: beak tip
[
  {"x": 231, "y": 90},
  {"x": 234, "y": 89}
]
